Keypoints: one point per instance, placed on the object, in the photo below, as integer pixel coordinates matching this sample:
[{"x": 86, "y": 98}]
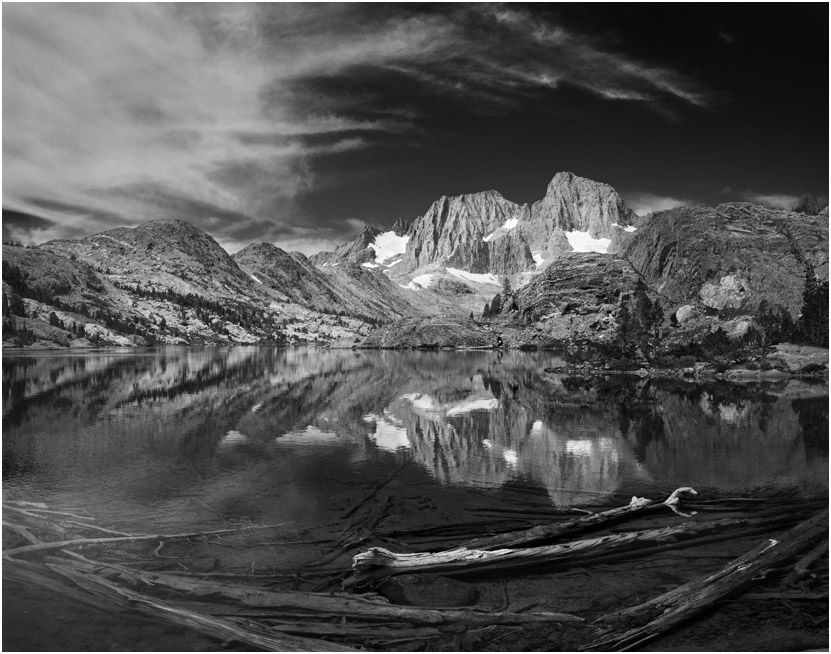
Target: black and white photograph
[{"x": 415, "y": 327}]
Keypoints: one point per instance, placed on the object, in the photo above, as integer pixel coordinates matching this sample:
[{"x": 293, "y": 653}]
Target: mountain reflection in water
[{"x": 162, "y": 423}]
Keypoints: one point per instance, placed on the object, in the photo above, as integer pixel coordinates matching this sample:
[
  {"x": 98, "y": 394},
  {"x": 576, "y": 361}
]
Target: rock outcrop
[
  {"x": 732, "y": 257},
  {"x": 430, "y": 333}
]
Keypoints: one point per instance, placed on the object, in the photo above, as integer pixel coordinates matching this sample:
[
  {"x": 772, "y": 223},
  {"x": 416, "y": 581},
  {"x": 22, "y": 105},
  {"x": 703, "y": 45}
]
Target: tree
[
  {"x": 813, "y": 324},
  {"x": 486, "y": 311},
  {"x": 496, "y": 304},
  {"x": 639, "y": 322},
  {"x": 507, "y": 291}
]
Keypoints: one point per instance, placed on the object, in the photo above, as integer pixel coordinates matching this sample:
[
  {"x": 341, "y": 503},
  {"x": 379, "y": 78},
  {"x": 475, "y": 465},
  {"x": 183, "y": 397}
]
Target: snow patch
[
  {"x": 482, "y": 404},
  {"x": 419, "y": 282},
  {"x": 479, "y": 278},
  {"x": 309, "y": 436},
  {"x": 508, "y": 226},
  {"x": 255, "y": 278},
  {"x": 582, "y": 242},
  {"x": 579, "y": 448},
  {"x": 628, "y": 228},
  {"x": 389, "y": 433},
  {"x": 388, "y": 245},
  {"x": 537, "y": 257},
  {"x": 510, "y": 457},
  {"x": 369, "y": 264},
  {"x": 232, "y": 438}
]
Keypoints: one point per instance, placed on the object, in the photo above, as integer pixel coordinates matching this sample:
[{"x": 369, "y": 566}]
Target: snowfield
[
  {"x": 478, "y": 278},
  {"x": 507, "y": 227},
  {"x": 388, "y": 245},
  {"x": 582, "y": 242}
]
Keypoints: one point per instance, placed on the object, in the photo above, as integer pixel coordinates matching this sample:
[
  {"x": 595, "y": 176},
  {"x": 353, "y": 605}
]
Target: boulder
[
  {"x": 730, "y": 293},
  {"x": 685, "y": 313}
]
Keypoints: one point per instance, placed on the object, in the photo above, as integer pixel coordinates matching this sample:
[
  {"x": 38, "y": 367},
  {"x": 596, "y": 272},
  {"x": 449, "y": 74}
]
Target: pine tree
[
  {"x": 814, "y": 321},
  {"x": 486, "y": 312},
  {"x": 507, "y": 291},
  {"x": 496, "y": 304}
]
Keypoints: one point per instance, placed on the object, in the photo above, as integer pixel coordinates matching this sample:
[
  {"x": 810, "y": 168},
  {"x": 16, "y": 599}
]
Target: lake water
[
  {"x": 186, "y": 439},
  {"x": 196, "y": 433}
]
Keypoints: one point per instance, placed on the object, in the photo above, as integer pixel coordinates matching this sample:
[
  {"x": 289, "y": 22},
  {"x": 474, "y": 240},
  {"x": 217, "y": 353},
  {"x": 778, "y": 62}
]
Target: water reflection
[{"x": 162, "y": 424}]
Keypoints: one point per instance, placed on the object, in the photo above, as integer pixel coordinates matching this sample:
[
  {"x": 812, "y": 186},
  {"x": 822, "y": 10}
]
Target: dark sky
[{"x": 296, "y": 124}]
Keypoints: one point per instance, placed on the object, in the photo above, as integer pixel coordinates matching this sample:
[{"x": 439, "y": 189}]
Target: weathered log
[
  {"x": 22, "y": 531},
  {"x": 379, "y": 563},
  {"x": 662, "y": 613},
  {"x": 56, "y": 545},
  {"x": 345, "y": 605},
  {"x": 802, "y": 568},
  {"x": 215, "y": 627},
  {"x": 574, "y": 526}
]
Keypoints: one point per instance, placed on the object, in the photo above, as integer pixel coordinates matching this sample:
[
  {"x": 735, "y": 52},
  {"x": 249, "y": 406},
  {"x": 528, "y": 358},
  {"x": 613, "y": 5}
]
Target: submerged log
[
  {"x": 75, "y": 542},
  {"x": 666, "y": 611},
  {"x": 576, "y": 525},
  {"x": 379, "y": 563},
  {"x": 320, "y": 605},
  {"x": 215, "y": 627}
]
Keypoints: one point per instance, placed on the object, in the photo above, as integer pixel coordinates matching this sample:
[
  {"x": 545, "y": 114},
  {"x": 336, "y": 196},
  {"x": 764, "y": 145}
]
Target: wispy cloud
[
  {"x": 772, "y": 200},
  {"x": 216, "y": 113},
  {"x": 644, "y": 203}
]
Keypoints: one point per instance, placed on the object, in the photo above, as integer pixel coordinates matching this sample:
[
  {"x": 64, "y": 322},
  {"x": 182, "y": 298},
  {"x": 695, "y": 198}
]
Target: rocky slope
[
  {"x": 170, "y": 253},
  {"x": 729, "y": 258},
  {"x": 167, "y": 281},
  {"x": 349, "y": 288},
  {"x": 713, "y": 284},
  {"x": 355, "y": 250}
]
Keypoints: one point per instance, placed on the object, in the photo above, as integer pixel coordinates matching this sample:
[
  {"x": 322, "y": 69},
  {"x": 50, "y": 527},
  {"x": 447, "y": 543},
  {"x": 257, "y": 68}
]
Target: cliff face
[
  {"x": 486, "y": 233},
  {"x": 454, "y": 229},
  {"x": 574, "y": 204},
  {"x": 731, "y": 257}
]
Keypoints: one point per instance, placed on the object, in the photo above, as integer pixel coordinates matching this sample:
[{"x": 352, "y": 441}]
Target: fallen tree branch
[
  {"x": 320, "y": 605},
  {"x": 378, "y": 563},
  {"x": 215, "y": 627},
  {"x": 54, "y": 545},
  {"x": 662, "y": 613},
  {"x": 802, "y": 568},
  {"x": 576, "y": 525}
]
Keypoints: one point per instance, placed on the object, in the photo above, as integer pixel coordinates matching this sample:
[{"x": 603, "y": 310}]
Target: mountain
[
  {"x": 484, "y": 233},
  {"x": 465, "y": 232},
  {"x": 167, "y": 281},
  {"x": 350, "y": 289},
  {"x": 355, "y": 250},
  {"x": 585, "y": 211},
  {"x": 171, "y": 254}
]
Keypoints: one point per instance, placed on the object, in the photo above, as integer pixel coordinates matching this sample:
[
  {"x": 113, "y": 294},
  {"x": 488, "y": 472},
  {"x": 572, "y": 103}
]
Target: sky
[{"x": 298, "y": 124}]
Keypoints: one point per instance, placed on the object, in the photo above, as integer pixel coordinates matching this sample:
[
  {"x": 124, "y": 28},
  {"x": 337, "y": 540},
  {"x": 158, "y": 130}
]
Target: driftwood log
[
  {"x": 328, "y": 605},
  {"x": 380, "y": 563},
  {"x": 658, "y": 615},
  {"x": 578, "y": 525}
]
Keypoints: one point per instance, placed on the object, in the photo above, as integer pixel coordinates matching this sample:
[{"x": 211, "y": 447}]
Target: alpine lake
[{"x": 318, "y": 454}]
